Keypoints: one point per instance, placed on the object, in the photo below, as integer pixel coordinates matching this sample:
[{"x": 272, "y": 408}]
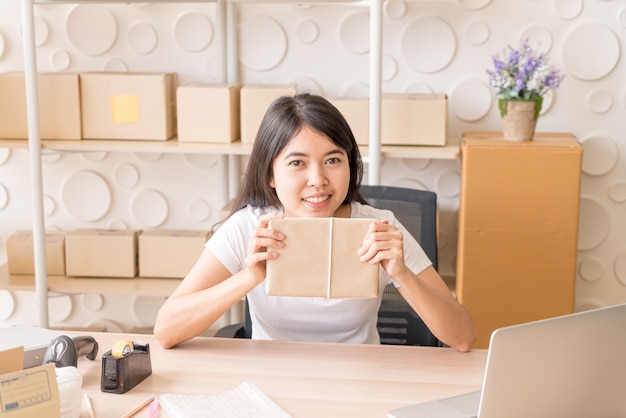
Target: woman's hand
[
  {"x": 384, "y": 244},
  {"x": 257, "y": 253}
]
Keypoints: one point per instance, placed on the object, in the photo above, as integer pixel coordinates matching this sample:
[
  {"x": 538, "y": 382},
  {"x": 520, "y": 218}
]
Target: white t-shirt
[{"x": 307, "y": 318}]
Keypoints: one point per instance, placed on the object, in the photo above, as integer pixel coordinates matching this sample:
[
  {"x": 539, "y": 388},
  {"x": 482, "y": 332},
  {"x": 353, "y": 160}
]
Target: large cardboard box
[
  {"x": 518, "y": 229},
  {"x": 140, "y": 106},
  {"x": 414, "y": 119},
  {"x": 21, "y": 258},
  {"x": 101, "y": 253},
  {"x": 27, "y": 393},
  {"x": 169, "y": 253},
  {"x": 255, "y": 100},
  {"x": 59, "y": 106},
  {"x": 320, "y": 259},
  {"x": 357, "y": 114},
  {"x": 208, "y": 112}
]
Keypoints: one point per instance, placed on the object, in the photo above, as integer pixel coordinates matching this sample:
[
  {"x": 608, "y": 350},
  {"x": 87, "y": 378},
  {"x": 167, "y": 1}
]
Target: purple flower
[{"x": 522, "y": 73}]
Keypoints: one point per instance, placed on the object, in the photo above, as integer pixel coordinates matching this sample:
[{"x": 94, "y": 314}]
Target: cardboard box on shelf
[
  {"x": 20, "y": 253},
  {"x": 255, "y": 100},
  {"x": 357, "y": 114},
  {"x": 169, "y": 253},
  {"x": 59, "y": 106},
  {"x": 101, "y": 253},
  {"x": 26, "y": 393},
  {"x": 414, "y": 119},
  {"x": 134, "y": 106},
  {"x": 208, "y": 112},
  {"x": 320, "y": 259}
]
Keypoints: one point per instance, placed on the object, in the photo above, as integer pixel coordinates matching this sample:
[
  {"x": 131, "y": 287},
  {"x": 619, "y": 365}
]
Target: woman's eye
[
  {"x": 296, "y": 163},
  {"x": 333, "y": 161}
]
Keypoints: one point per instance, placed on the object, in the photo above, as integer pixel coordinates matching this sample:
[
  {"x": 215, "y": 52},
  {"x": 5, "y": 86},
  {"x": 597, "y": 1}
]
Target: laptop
[
  {"x": 34, "y": 339},
  {"x": 567, "y": 366}
]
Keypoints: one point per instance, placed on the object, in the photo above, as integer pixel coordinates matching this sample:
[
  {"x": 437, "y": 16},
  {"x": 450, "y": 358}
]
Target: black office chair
[
  {"x": 416, "y": 209},
  {"x": 398, "y": 323}
]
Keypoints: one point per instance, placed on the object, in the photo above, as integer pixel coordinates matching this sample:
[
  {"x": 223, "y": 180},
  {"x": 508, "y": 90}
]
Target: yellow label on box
[{"x": 125, "y": 109}]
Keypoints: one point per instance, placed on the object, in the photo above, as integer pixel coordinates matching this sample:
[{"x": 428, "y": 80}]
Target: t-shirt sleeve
[{"x": 230, "y": 242}]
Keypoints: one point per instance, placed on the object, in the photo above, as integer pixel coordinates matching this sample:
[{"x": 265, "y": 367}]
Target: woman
[{"x": 305, "y": 163}]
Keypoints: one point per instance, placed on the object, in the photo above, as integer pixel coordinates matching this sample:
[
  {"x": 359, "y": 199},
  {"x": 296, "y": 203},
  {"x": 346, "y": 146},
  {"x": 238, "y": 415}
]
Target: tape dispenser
[{"x": 125, "y": 366}]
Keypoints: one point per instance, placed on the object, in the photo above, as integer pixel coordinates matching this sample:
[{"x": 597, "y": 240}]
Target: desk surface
[{"x": 305, "y": 379}]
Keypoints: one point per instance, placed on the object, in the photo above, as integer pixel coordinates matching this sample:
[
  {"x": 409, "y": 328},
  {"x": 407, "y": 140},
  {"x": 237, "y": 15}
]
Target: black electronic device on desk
[{"x": 125, "y": 366}]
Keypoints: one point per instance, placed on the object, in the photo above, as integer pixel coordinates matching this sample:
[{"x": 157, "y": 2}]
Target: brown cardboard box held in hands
[{"x": 320, "y": 259}]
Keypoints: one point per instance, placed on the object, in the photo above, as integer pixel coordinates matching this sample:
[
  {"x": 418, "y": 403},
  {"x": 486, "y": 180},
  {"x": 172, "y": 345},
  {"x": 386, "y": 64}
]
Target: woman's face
[{"x": 311, "y": 175}]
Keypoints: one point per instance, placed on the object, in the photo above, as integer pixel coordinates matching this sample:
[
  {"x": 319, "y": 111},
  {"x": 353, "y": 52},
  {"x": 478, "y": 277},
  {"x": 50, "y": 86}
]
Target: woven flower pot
[{"x": 519, "y": 118}]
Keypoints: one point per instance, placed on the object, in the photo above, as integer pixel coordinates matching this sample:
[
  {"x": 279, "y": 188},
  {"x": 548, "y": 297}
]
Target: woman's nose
[{"x": 317, "y": 177}]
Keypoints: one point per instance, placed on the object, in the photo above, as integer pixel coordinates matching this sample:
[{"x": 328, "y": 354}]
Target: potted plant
[{"x": 520, "y": 78}]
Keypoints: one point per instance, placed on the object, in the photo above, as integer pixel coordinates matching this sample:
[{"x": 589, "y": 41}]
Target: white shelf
[
  {"x": 157, "y": 287},
  {"x": 172, "y": 146}
]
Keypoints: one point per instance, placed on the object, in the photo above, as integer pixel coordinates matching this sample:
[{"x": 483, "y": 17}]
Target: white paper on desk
[{"x": 245, "y": 401}]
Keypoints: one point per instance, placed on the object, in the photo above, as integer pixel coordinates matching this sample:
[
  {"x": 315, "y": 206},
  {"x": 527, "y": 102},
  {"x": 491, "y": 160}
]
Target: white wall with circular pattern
[{"x": 432, "y": 46}]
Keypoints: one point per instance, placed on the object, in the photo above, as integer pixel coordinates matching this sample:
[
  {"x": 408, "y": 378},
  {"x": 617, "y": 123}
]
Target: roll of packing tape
[{"x": 122, "y": 348}]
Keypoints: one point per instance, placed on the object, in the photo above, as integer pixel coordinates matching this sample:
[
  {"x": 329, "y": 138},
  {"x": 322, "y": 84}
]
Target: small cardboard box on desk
[
  {"x": 27, "y": 393},
  {"x": 320, "y": 259},
  {"x": 20, "y": 254},
  {"x": 101, "y": 253}
]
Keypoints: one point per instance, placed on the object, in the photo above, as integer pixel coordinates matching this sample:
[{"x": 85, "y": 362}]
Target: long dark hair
[{"x": 282, "y": 121}]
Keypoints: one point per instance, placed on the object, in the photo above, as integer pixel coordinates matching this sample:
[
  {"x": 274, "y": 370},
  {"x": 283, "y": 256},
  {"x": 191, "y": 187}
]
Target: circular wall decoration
[
  {"x": 92, "y": 302},
  {"x": 193, "y": 31},
  {"x": 620, "y": 267},
  {"x": 1, "y": 45},
  {"x": 5, "y": 154},
  {"x": 600, "y": 155},
  {"x": 581, "y": 56},
  {"x": 7, "y": 304},
  {"x": 85, "y": 21},
  {"x": 538, "y": 35},
  {"x": 115, "y": 65},
  {"x": 448, "y": 184},
  {"x": 146, "y": 309},
  {"x": 617, "y": 192},
  {"x": 389, "y": 67},
  {"x": 395, "y": 9},
  {"x": 473, "y": 4},
  {"x": 418, "y": 87},
  {"x": 470, "y": 100},
  {"x": 306, "y": 83},
  {"x": 568, "y": 9},
  {"x": 148, "y": 157},
  {"x": 428, "y": 45},
  {"x": 150, "y": 208},
  {"x": 199, "y": 210},
  {"x": 621, "y": 18},
  {"x": 354, "y": 33},
  {"x": 307, "y": 31},
  {"x": 60, "y": 59},
  {"x": 49, "y": 205},
  {"x": 60, "y": 307},
  {"x": 357, "y": 89},
  {"x": 95, "y": 156},
  {"x": 594, "y": 225},
  {"x": 201, "y": 161},
  {"x": 477, "y": 32},
  {"x": 126, "y": 175},
  {"x": 591, "y": 270},
  {"x": 86, "y": 196},
  {"x": 4, "y": 197},
  {"x": 263, "y": 43},
  {"x": 142, "y": 38},
  {"x": 600, "y": 101},
  {"x": 41, "y": 31}
]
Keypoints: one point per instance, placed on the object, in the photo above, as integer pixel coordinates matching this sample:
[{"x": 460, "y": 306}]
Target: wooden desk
[{"x": 305, "y": 379}]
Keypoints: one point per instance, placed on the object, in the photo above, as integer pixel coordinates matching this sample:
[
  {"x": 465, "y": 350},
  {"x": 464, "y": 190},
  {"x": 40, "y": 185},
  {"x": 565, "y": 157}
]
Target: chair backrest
[{"x": 416, "y": 209}]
